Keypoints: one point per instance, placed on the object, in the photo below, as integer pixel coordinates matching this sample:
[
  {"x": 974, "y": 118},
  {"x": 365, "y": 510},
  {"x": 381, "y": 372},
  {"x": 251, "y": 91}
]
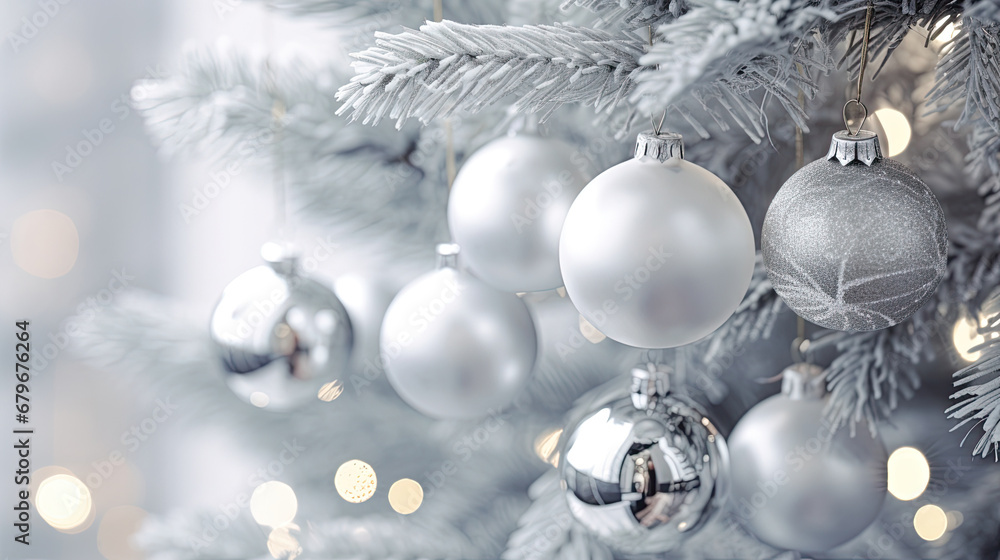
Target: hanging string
[
  {"x": 656, "y": 126},
  {"x": 449, "y": 136},
  {"x": 861, "y": 73},
  {"x": 270, "y": 84}
]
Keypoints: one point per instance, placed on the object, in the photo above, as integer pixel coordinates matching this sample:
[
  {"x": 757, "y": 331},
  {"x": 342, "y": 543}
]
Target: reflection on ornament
[
  {"x": 897, "y": 130},
  {"x": 547, "y": 446},
  {"x": 966, "y": 336},
  {"x": 355, "y": 481},
  {"x": 282, "y": 544},
  {"x": 930, "y": 522},
  {"x": 646, "y": 470},
  {"x": 908, "y": 473},
  {"x": 63, "y": 501},
  {"x": 273, "y": 504},
  {"x": 855, "y": 241},
  {"x": 405, "y": 496}
]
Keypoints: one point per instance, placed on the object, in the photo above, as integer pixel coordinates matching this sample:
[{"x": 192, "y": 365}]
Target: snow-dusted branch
[
  {"x": 631, "y": 14},
  {"x": 447, "y": 66}
]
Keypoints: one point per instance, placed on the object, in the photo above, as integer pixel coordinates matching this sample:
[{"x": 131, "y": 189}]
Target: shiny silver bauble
[
  {"x": 507, "y": 207},
  {"x": 455, "y": 348},
  {"x": 283, "y": 339},
  {"x": 855, "y": 241},
  {"x": 797, "y": 485},
  {"x": 644, "y": 472},
  {"x": 657, "y": 252}
]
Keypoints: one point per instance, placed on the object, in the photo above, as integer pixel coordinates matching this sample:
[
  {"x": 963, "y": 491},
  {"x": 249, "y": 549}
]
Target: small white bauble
[
  {"x": 657, "y": 252},
  {"x": 507, "y": 207},
  {"x": 455, "y": 348},
  {"x": 282, "y": 337},
  {"x": 796, "y": 484}
]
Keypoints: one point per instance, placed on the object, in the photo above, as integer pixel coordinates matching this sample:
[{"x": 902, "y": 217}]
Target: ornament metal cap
[
  {"x": 649, "y": 385},
  {"x": 845, "y": 147},
  {"x": 447, "y": 255},
  {"x": 662, "y": 146},
  {"x": 282, "y": 257},
  {"x": 803, "y": 381}
]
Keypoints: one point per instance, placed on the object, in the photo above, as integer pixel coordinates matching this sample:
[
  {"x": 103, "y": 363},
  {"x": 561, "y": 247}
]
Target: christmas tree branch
[
  {"x": 631, "y": 14},
  {"x": 448, "y": 66}
]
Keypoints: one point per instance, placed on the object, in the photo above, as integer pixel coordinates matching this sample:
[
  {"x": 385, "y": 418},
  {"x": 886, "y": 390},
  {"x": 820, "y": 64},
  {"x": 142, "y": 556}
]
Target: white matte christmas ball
[
  {"x": 507, "y": 207},
  {"x": 455, "y": 348},
  {"x": 657, "y": 252},
  {"x": 796, "y": 484}
]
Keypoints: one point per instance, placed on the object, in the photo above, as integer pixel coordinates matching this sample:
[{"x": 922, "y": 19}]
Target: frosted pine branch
[
  {"x": 870, "y": 373},
  {"x": 968, "y": 75},
  {"x": 370, "y": 15},
  {"x": 978, "y": 394},
  {"x": 444, "y": 67},
  {"x": 715, "y": 58},
  {"x": 631, "y": 14}
]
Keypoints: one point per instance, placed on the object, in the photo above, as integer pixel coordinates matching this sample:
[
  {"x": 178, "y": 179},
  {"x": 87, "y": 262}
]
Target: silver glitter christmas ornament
[
  {"x": 657, "y": 252},
  {"x": 453, "y": 347},
  {"x": 796, "y": 484},
  {"x": 855, "y": 241},
  {"x": 507, "y": 207},
  {"x": 283, "y": 339},
  {"x": 644, "y": 472}
]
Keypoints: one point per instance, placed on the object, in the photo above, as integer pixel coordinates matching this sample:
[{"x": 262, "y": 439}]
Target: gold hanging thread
[{"x": 861, "y": 74}]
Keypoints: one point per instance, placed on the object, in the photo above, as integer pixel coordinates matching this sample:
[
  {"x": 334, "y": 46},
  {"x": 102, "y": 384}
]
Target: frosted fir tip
[
  {"x": 662, "y": 147},
  {"x": 846, "y": 148}
]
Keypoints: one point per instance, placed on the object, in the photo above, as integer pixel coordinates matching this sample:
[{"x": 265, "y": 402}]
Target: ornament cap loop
[
  {"x": 845, "y": 147},
  {"x": 803, "y": 381},
  {"x": 649, "y": 386},
  {"x": 280, "y": 256},
  {"x": 662, "y": 146},
  {"x": 447, "y": 255}
]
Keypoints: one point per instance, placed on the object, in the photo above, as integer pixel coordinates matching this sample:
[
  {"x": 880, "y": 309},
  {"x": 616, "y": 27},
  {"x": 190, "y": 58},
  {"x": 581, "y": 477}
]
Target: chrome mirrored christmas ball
[
  {"x": 798, "y": 485},
  {"x": 507, "y": 207},
  {"x": 657, "y": 252},
  {"x": 453, "y": 347},
  {"x": 855, "y": 241},
  {"x": 283, "y": 338},
  {"x": 645, "y": 471}
]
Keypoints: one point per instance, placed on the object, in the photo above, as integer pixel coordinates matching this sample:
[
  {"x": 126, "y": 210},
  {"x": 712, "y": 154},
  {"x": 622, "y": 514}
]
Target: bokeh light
[
  {"x": 547, "y": 446},
  {"x": 965, "y": 336},
  {"x": 590, "y": 332},
  {"x": 897, "y": 130},
  {"x": 909, "y": 473},
  {"x": 930, "y": 522},
  {"x": 282, "y": 544},
  {"x": 273, "y": 504},
  {"x": 355, "y": 481},
  {"x": 330, "y": 391},
  {"x": 115, "y": 534},
  {"x": 259, "y": 399},
  {"x": 63, "y": 501},
  {"x": 405, "y": 496},
  {"x": 45, "y": 243}
]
